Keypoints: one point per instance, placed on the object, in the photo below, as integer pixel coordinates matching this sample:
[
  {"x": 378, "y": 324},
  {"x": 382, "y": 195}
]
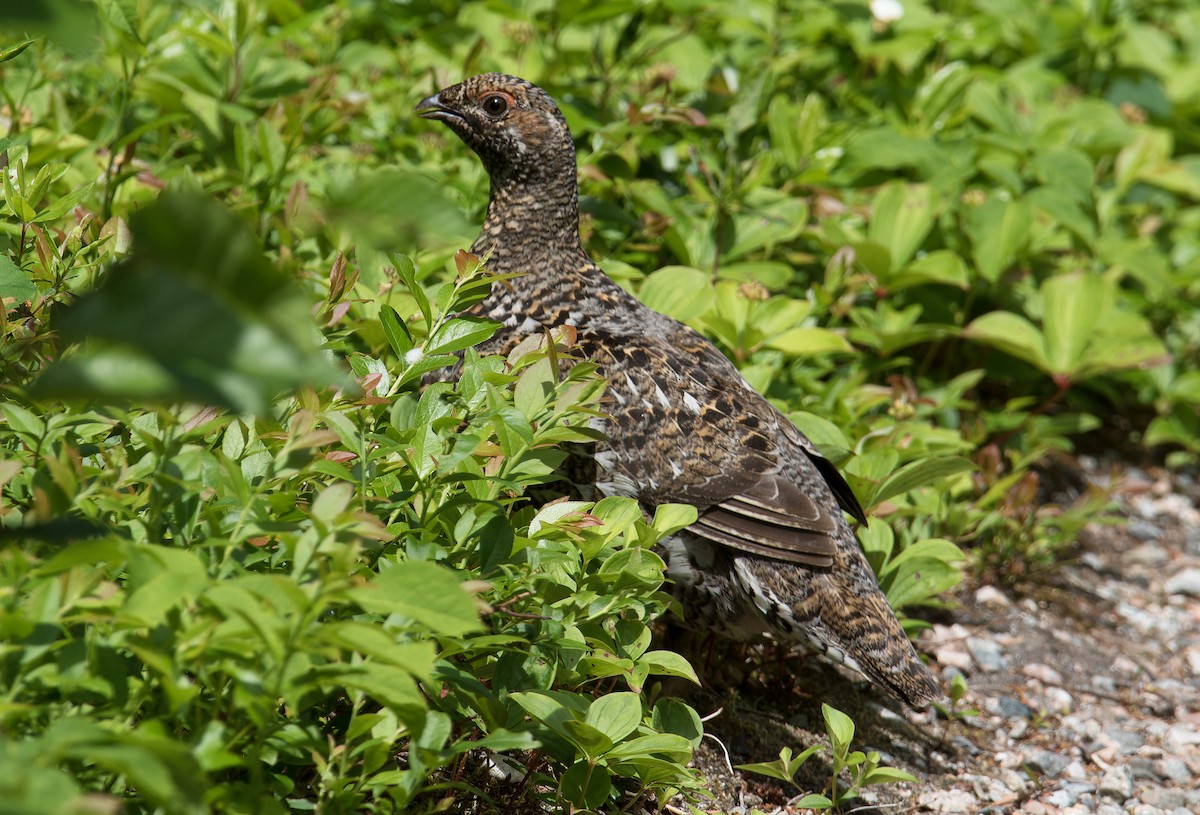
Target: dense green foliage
[{"x": 248, "y": 566}]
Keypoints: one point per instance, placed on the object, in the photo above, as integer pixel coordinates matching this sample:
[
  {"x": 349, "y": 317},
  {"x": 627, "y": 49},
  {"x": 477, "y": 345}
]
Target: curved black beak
[{"x": 432, "y": 107}]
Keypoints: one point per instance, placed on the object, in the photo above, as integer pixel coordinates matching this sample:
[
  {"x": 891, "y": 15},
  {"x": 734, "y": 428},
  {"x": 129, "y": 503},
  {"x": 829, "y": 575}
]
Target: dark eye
[{"x": 495, "y": 105}]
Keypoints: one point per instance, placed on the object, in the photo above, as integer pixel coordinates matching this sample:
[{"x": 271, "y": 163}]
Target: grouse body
[{"x": 771, "y": 550}]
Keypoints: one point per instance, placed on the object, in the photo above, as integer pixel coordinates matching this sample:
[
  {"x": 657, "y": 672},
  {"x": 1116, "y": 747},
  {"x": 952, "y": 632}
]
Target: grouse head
[{"x": 514, "y": 126}]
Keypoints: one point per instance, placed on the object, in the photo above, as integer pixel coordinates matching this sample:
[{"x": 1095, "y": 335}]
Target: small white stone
[
  {"x": 992, "y": 596},
  {"x": 1058, "y": 700},
  {"x": 1180, "y": 737},
  {"x": 1117, "y": 783},
  {"x": 950, "y": 801},
  {"x": 1042, "y": 673},
  {"x": 1185, "y": 582}
]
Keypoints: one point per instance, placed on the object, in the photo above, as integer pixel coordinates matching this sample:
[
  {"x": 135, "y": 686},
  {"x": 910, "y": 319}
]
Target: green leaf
[
  {"x": 839, "y": 726},
  {"x": 1012, "y": 334},
  {"x": 407, "y": 273},
  {"x": 196, "y": 312},
  {"x": 918, "y": 474},
  {"x": 461, "y": 332},
  {"x": 396, "y": 331},
  {"x": 669, "y": 663},
  {"x": 678, "y": 291},
  {"x": 589, "y": 739},
  {"x": 14, "y": 51},
  {"x": 673, "y": 716},
  {"x": 1127, "y": 341},
  {"x": 544, "y": 707},
  {"x": 771, "y": 769},
  {"x": 15, "y": 283},
  {"x": 902, "y": 215},
  {"x": 809, "y": 342},
  {"x": 107, "y": 550},
  {"x": 372, "y": 641},
  {"x": 674, "y": 746},
  {"x": 586, "y": 786},
  {"x": 1072, "y": 307},
  {"x": 999, "y": 228},
  {"x": 616, "y": 715},
  {"x": 430, "y": 594},
  {"x": 940, "y": 267},
  {"x": 921, "y": 572},
  {"x": 886, "y": 775},
  {"x": 553, "y": 513},
  {"x": 670, "y": 518},
  {"x": 813, "y": 801},
  {"x": 391, "y": 208}
]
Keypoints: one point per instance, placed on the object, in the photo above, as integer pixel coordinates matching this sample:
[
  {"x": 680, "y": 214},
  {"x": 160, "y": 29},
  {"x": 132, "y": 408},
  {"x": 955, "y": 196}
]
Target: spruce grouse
[{"x": 771, "y": 551}]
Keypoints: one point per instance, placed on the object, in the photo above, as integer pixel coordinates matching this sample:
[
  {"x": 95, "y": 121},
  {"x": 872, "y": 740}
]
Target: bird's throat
[{"x": 530, "y": 224}]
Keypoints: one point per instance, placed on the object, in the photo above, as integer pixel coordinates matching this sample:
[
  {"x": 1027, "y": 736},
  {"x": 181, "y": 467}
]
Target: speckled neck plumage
[{"x": 542, "y": 207}]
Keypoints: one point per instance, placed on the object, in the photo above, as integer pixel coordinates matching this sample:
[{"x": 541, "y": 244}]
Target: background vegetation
[{"x": 248, "y": 567}]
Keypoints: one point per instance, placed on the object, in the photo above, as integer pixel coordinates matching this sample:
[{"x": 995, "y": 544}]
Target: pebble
[
  {"x": 1059, "y": 798},
  {"x": 1109, "y": 809},
  {"x": 1076, "y": 771},
  {"x": 1144, "y": 505},
  {"x": 1175, "y": 769},
  {"x": 1011, "y": 708},
  {"x": 1146, "y": 809},
  {"x": 1144, "y": 531},
  {"x": 1149, "y": 555},
  {"x": 987, "y": 655},
  {"x": 1179, "y": 737},
  {"x": 1126, "y": 740},
  {"x": 952, "y": 801},
  {"x": 1047, "y": 763},
  {"x": 1191, "y": 541},
  {"x": 1009, "y": 760},
  {"x": 1015, "y": 781},
  {"x": 1143, "y": 767},
  {"x": 1117, "y": 783},
  {"x": 1193, "y": 659},
  {"x": 1078, "y": 790},
  {"x": 992, "y": 596},
  {"x": 964, "y": 745},
  {"x": 1042, "y": 673},
  {"x": 1125, "y": 665},
  {"x": 947, "y": 642},
  {"x": 1164, "y": 798},
  {"x": 1185, "y": 582},
  {"x": 1058, "y": 700},
  {"x": 1150, "y": 622}
]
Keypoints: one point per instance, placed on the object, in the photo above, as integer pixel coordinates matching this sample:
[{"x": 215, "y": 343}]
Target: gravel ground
[{"x": 1087, "y": 687}]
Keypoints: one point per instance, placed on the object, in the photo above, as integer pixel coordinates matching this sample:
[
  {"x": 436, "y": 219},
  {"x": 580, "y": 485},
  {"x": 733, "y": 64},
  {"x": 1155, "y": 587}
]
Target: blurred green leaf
[
  {"x": 394, "y": 209},
  {"x": 15, "y": 283},
  {"x": 902, "y": 216},
  {"x": 1072, "y": 305},
  {"x": 1010, "y": 333},
  {"x": 678, "y": 291}
]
